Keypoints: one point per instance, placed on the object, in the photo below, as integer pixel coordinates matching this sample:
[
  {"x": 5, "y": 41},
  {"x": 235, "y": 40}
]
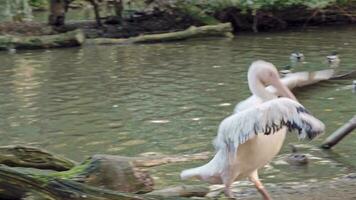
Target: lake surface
[{"x": 169, "y": 98}]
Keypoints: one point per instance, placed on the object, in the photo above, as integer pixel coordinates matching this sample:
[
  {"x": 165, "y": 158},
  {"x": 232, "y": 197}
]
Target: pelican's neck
[{"x": 258, "y": 88}]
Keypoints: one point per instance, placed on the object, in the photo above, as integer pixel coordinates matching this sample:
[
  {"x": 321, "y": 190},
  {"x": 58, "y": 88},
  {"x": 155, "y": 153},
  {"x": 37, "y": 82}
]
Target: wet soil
[
  {"x": 26, "y": 28},
  {"x": 287, "y": 18},
  {"x": 341, "y": 188}
]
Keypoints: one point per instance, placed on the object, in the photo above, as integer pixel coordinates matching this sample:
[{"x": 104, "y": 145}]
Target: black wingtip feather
[{"x": 302, "y": 110}]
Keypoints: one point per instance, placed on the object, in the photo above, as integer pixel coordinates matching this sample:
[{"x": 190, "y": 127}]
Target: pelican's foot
[{"x": 228, "y": 193}]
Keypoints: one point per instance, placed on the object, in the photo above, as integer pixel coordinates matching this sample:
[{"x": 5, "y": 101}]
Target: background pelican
[{"x": 249, "y": 139}]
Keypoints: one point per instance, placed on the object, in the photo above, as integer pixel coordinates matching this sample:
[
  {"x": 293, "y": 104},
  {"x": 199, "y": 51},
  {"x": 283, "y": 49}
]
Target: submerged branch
[{"x": 339, "y": 134}]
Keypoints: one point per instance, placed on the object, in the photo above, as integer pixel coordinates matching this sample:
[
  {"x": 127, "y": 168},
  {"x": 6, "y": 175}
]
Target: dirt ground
[
  {"x": 337, "y": 189},
  {"x": 140, "y": 23}
]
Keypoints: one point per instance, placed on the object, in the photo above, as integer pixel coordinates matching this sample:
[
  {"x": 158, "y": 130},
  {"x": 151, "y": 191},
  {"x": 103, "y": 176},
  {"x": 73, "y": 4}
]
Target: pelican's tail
[
  {"x": 210, "y": 172},
  {"x": 190, "y": 173}
]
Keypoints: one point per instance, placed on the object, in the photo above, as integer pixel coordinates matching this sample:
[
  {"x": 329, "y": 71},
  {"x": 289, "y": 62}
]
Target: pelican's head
[{"x": 262, "y": 74}]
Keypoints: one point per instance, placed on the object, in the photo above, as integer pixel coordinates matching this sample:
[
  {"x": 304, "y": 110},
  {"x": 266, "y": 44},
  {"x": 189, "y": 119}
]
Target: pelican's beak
[{"x": 282, "y": 90}]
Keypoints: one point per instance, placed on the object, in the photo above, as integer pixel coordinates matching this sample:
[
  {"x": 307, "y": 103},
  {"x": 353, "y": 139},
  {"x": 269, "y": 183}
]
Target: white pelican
[{"x": 249, "y": 139}]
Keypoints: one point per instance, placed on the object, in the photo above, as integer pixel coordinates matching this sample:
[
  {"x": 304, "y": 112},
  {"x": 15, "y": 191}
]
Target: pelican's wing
[
  {"x": 267, "y": 118},
  {"x": 243, "y": 105}
]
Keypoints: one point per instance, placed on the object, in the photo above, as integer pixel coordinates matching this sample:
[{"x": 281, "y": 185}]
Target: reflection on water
[{"x": 167, "y": 98}]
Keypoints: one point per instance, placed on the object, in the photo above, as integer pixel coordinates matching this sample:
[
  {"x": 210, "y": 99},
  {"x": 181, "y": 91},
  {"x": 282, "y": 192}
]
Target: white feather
[{"x": 244, "y": 125}]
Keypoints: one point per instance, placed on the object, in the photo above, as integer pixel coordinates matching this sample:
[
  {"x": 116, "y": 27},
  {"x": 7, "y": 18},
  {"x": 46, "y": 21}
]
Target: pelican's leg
[
  {"x": 227, "y": 181},
  {"x": 254, "y": 179},
  {"x": 227, "y": 190}
]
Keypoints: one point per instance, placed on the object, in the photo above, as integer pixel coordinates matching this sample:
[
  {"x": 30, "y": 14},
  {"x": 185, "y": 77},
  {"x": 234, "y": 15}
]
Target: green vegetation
[
  {"x": 41, "y": 4},
  {"x": 15, "y": 10},
  {"x": 245, "y": 5}
]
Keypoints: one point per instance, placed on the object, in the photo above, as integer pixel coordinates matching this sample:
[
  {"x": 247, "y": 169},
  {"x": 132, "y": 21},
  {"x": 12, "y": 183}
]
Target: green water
[{"x": 168, "y": 98}]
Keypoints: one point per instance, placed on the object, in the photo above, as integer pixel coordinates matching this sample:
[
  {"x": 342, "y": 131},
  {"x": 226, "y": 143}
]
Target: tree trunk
[
  {"x": 57, "y": 9},
  {"x": 119, "y": 7},
  {"x": 68, "y": 39},
  {"x": 96, "y": 8}
]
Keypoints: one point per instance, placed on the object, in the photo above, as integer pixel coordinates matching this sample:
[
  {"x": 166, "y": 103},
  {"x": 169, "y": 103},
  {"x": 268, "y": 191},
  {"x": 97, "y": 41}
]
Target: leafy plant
[
  {"x": 254, "y": 5},
  {"x": 38, "y": 3}
]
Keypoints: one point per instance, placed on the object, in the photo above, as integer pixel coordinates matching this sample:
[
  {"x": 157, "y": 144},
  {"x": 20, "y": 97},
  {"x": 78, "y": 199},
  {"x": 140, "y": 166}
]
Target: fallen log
[
  {"x": 151, "y": 161},
  {"x": 110, "y": 172},
  {"x": 116, "y": 173},
  {"x": 182, "y": 191},
  {"x": 24, "y": 156},
  {"x": 15, "y": 184},
  {"x": 68, "y": 39},
  {"x": 339, "y": 134},
  {"x": 192, "y": 32}
]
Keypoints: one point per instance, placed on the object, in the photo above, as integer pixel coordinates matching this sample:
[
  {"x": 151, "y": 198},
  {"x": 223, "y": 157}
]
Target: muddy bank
[
  {"x": 138, "y": 24},
  {"x": 160, "y": 20},
  {"x": 341, "y": 188},
  {"x": 170, "y": 20},
  {"x": 287, "y": 18}
]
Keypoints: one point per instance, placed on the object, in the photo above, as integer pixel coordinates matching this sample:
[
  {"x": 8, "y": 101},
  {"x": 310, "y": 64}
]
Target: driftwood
[
  {"x": 15, "y": 184},
  {"x": 347, "y": 75},
  {"x": 151, "y": 161},
  {"x": 339, "y": 134},
  {"x": 110, "y": 172},
  {"x": 23, "y": 156},
  {"x": 182, "y": 191},
  {"x": 96, "y": 178},
  {"x": 192, "y": 32},
  {"x": 68, "y": 39}
]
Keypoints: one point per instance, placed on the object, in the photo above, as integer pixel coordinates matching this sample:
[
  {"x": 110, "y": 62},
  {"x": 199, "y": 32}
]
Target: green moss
[
  {"x": 75, "y": 171},
  {"x": 198, "y": 14},
  {"x": 245, "y": 5},
  {"x": 39, "y": 3}
]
